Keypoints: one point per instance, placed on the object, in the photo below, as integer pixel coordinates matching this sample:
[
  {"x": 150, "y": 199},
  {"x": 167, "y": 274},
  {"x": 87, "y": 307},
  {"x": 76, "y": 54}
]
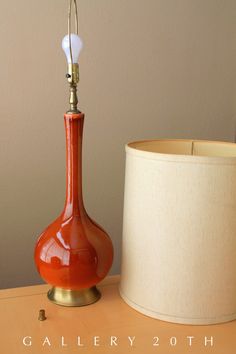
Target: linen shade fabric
[{"x": 179, "y": 230}]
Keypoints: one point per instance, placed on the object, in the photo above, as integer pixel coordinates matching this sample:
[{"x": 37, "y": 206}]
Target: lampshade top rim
[{"x": 186, "y": 150}]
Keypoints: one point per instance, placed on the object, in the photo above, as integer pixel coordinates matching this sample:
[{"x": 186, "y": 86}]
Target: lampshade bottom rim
[
  {"x": 74, "y": 298},
  {"x": 175, "y": 319}
]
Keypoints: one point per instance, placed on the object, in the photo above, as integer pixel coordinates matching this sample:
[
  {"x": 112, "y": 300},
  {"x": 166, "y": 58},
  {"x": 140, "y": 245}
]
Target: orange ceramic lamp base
[{"x": 74, "y": 253}]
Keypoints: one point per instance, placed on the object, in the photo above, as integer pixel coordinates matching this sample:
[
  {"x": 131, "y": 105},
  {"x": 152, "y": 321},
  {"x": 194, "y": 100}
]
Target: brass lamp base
[{"x": 65, "y": 297}]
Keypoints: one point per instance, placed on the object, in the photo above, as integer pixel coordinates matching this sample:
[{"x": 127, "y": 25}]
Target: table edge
[{"x": 43, "y": 288}]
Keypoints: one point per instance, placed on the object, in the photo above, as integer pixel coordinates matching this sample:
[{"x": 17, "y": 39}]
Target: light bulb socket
[
  {"x": 73, "y": 74},
  {"x": 73, "y": 79}
]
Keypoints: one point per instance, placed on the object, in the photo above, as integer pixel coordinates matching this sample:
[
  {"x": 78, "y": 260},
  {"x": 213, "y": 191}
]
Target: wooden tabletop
[{"x": 110, "y": 324}]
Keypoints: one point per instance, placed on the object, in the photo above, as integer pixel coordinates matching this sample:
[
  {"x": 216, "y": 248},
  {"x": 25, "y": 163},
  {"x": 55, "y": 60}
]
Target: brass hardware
[
  {"x": 73, "y": 73},
  {"x": 66, "y": 297},
  {"x": 42, "y": 316},
  {"x": 73, "y": 99},
  {"x": 73, "y": 68}
]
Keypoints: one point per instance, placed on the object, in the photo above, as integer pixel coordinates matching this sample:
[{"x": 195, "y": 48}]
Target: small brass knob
[{"x": 42, "y": 316}]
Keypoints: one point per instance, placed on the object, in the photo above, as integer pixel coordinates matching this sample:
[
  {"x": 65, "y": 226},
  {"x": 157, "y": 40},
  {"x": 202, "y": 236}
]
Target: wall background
[{"x": 149, "y": 69}]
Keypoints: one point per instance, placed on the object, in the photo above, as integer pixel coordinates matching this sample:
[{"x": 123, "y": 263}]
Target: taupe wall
[{"x": 149, "y": 69}]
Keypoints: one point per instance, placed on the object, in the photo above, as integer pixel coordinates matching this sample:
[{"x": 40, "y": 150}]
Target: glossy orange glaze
[{"x": 73, "y": 252}]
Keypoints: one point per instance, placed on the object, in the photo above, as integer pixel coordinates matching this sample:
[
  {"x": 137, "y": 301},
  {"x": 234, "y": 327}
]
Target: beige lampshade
[{"x": 179, "y": 230}]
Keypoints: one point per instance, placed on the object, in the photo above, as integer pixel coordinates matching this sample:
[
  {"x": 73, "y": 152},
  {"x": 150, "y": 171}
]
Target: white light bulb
[{"x": 76, "y": 46}]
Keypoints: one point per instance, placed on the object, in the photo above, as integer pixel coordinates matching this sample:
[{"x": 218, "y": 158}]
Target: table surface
[{"x": 109, "y": 317}]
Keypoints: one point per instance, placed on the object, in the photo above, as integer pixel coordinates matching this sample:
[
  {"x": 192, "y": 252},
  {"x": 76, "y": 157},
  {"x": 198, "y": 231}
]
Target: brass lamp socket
[{"x": 73, "y": 73}]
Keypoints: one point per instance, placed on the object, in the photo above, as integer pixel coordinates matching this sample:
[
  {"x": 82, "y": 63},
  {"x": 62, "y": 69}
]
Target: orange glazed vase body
[{"x": 74, "y": 253}]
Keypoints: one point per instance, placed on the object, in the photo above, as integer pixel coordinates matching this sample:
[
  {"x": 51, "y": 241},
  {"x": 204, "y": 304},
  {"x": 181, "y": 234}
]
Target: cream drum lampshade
[{"x": 179, "y": 230}]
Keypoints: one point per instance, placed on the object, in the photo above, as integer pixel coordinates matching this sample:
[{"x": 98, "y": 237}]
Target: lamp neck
[{"x": 74, "y": 134}]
